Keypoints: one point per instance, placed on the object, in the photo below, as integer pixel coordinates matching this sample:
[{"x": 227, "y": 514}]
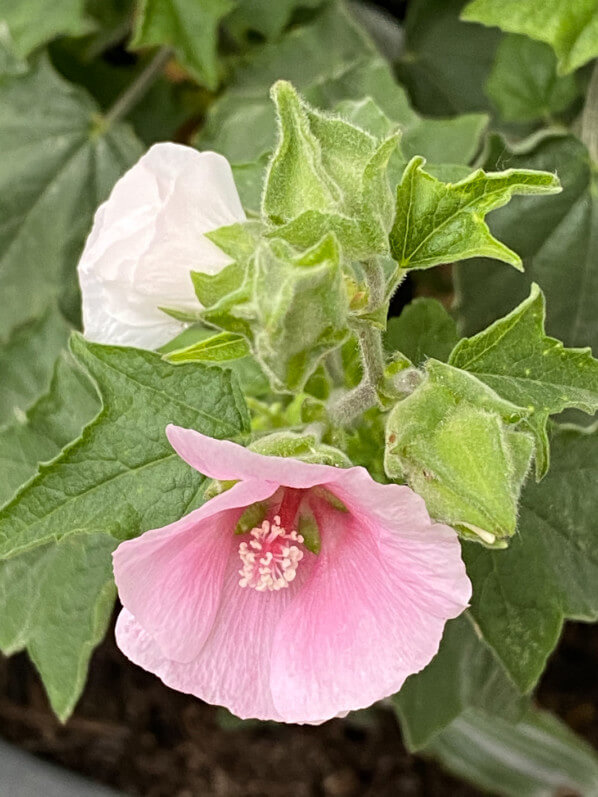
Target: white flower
[{"x": 147, "y": 238}]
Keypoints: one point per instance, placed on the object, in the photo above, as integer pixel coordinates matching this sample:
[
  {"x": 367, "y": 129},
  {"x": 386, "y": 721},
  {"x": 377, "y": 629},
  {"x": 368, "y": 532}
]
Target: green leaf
[
  {"x": 301, "y": 306},
  {"x": 27, "y": 360},
  {"x": 521, "y": 596},
  {"x": 423, "y": 330},
  {"x": 442, "y": 222},
  {"x": 570, "y": 28},
  {"x": 522, "y": 364},
  {"x": 524, "y": 85},
  {"x": 123, "y": 461},
  {"x": 445, "y": 62},
  {"x": 538, "y": 756},
  {"x": 32, "y": 23},
  {"x": 57, "y": 166},
  {"x": 219, "y": 348},
  {"x": 118, "y": 479},
  {"x": 190, "y": 27},
  {"x": 52, "y": 422},
  {"x": 456, "y": 443},
  {"x": 464, "y": 674},
  {"x": 56, "y": 602},
  {"x": 558, "y": 241}
]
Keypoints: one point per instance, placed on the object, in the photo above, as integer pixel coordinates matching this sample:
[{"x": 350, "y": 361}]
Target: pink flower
[{"x": 260, "y": 624}]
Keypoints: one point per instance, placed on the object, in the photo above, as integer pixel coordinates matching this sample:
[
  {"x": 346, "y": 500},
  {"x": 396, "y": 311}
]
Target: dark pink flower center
[{"x": 271, "y": 558}]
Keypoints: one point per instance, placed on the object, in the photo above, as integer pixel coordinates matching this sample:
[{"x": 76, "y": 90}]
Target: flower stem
[
  {"x": 133, "y": 93},
  {"x": 376, "y": 282},
  {"x": 589, "y": 117},
  {"x": 370, "y": 344},
  {"x": 364, "y": 396}
]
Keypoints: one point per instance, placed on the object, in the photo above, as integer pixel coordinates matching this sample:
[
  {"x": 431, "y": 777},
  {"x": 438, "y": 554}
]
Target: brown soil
[{"x": 131, "y": 732}]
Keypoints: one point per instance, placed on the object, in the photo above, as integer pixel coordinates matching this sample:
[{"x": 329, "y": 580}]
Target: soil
[{"x": 131, "y": 732}]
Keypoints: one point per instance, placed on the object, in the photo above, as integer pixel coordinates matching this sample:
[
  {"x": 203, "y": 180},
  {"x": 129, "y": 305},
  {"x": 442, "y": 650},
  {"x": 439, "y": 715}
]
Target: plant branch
[
  {"x": 136, "y": 90},
  {"x": 589, "y": 117}
]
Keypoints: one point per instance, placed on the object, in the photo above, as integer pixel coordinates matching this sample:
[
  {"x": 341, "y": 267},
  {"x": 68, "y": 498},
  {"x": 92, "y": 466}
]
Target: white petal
[{"x": 147, "y": 237}]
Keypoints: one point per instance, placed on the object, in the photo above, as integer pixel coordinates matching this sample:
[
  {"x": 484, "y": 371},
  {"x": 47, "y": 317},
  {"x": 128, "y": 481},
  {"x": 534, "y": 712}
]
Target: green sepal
[
  {"x": 213, "y": 288},
  {"x": 308, "y": 528},
  {"x": 251, "y": 517},
  {"x": 330, "y": 498},
  {"x": 328, "y": 175},
  {"x": 216, "y": 486},
  {"x": 457, "y": 443},
  {"x": 301, "y": 308},
  {"x": 439, "y": 222},
  {"x": 306, "y": 447},
  {"x": 238, "y": 240},
  {"x": 222, "y": 347}
]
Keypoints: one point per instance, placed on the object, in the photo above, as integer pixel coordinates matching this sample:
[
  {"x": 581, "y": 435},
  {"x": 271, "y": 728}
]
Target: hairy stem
[
  {"x": 364, "y": 396},
  {"x": 353, "y": 403},
  {"x": 374, "y": 274},
  {"x": 370, "y": 345},
  {"x": 133, "y": 93},
  {"x": 589, "y": 117}
]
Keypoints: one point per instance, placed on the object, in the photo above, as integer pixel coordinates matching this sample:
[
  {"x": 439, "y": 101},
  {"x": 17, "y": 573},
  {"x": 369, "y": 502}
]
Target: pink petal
[
  {"x": 373, "y": 611},
  {"x": 223, "y": 459},
  {"x": 170, "y": 579},
  {"x": 233, "y": 667}
]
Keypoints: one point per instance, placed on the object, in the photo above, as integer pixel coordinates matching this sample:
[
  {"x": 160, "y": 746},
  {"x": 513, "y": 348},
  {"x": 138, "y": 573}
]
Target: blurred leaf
[
  {"x": 423, "y": 330},
  {"x": 524, "y": 84},
  {"x": 445, "y": 62},
  {"x": 27, "y": 360},
  {"x": 249, "y": 179},
  {"x": 558, "y": 242},
  {"x": 190, "y": 27},
  {"x": 306, "y": 56},
  {"x": 464, "y": 674},
  {"x": 440, "y": 222},
  {"x": 157, "y": 116},
  {"x": 57, "y": 166},
  {"x": 571, "y": 28},
  {"x": 522, "y": 595},
  {"x": 264, "y": 16},
  {"x": 536, "y": 757},
  {"x": 35, "y": 22},
  {"x": 113, "y": 20}
]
